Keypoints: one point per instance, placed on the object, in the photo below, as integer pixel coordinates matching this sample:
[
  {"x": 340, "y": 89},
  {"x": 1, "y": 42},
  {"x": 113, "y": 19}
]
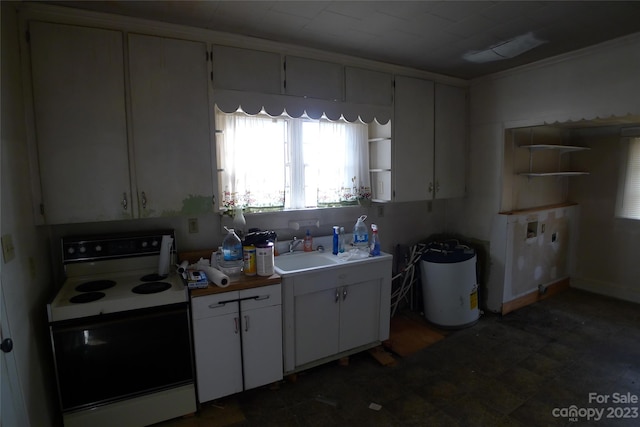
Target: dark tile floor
[{"x": 513, "y": 370}]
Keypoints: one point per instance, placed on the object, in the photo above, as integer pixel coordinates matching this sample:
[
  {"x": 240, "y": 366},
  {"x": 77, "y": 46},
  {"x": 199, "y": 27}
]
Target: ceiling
[{"x": 427, "y": 35}]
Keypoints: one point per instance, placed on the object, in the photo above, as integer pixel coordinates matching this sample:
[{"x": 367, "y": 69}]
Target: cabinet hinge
[{"x": 284, "y": 68}]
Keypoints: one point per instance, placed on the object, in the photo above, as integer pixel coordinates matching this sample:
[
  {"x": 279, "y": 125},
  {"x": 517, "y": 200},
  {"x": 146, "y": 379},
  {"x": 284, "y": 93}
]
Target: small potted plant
[{"x": 364, "y": 196}]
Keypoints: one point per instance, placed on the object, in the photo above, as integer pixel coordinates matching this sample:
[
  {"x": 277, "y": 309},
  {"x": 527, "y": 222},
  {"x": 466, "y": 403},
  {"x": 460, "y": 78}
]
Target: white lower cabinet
[
  {"x": 237, "y": 340},
  {"x": 336, "y": 312}
]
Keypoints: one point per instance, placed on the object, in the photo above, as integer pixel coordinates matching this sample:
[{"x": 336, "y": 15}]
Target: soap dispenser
[{"x": 308, "y": 242}]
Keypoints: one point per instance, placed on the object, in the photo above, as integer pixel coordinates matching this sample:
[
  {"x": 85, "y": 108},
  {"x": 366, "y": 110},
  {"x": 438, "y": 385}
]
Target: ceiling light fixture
[{"x": 505, "y": 50}]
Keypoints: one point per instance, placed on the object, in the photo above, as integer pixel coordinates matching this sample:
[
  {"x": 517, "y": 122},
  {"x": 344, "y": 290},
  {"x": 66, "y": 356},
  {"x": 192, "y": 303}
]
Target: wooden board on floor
[
  {"x": 408, "y": 335},
  {"x": 383, "y": 358}
]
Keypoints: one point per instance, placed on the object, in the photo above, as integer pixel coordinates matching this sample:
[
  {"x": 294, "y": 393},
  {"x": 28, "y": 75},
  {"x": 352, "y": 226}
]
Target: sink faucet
[{"x": 292, "y": 244}]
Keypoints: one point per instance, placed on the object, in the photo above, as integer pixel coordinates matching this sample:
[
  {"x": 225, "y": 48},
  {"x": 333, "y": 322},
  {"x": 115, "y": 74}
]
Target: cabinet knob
[
  {"x": 124, "y": 201},
  {"x": 344, "y": 293},
  {"x": 246, "y": 323},
  {"x": 144, "y": 201},
  {"x": 431, "y": 187},
  {"x": 337, "y": 295}
]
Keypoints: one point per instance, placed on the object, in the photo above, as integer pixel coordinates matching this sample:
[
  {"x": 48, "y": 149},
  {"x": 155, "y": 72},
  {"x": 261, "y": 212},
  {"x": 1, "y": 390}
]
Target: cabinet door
[
  {"x": 450, "y": 141},
  {"x": 246, "y": 69},
  {"x": 314, "y": 79},
  {"x": 170, "y": 126},
  {"x": 317, "y": 325},
  {"x": 359, "y": 314},
  {"x": 413, "y": 139},
  {"x": 80, "y": 119},
  {"x": 368, "y": 86},
  {"x": 262, "y": 345},
  {"x": 218, "y": 358}
]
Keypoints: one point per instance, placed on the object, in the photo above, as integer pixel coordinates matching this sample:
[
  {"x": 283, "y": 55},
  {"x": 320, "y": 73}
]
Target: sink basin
[{"x": 287, "y": 263}]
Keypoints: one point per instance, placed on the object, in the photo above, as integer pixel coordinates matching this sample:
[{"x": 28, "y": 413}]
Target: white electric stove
[{"x": 120, "y": 332}]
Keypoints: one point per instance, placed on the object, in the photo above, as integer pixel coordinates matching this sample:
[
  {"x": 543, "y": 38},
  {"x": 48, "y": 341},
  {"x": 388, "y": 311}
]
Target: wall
[
  {"x": 598, "y": 82},
  {"x": 608, "y": 247},
  {"x": 26, "y": 279}
]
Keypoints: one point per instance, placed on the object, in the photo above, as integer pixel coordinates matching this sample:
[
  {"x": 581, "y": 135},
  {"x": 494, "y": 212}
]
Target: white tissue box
[{"x": 197, "y": 279}]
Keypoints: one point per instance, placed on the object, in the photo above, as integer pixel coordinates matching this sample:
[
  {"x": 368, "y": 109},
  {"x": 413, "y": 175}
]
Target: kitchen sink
[{"x": 288, "y": 263}]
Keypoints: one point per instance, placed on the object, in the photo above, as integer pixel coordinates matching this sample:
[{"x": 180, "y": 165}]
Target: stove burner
[
  {"x": 153, "y": 277},
  {"x": 151, "y": 287},
  {"x": 95, "y": 285},
  {"x": 86, "y": 297}
]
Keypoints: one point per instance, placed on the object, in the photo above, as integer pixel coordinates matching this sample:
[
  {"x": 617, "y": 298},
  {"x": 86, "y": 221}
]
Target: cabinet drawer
[
  {"x": 359, "y": 273},
  {"x": 314, "y": 282},
  {"x": 215, "y": 305},
  {"x": 265, "y": 296}
]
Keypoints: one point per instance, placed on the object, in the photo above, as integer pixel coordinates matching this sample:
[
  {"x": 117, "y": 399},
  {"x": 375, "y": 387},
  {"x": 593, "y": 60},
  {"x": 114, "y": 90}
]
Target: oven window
[{"x": 111, "y": 357}]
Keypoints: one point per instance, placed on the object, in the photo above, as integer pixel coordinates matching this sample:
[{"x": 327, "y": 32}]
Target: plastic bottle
[
  {"x": 232, "y": 251},
  {"x": 307, "y": 245},
  {"x": 361, "y": 234},
  {"x": 341, "y": 240},
  {"x": 336, "y": 239},
  {"x": 375, "y": 241}
]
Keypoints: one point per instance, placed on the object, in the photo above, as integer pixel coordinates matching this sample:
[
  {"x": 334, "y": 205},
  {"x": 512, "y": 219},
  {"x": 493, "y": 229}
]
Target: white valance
[{"x": 275, "y": 105}]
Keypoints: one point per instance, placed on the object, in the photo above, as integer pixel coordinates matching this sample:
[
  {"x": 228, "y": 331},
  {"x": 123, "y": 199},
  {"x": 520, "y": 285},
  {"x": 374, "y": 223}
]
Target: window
[
  {"x": 628, "y": 202},
  {"x": 274, "y": 163}
]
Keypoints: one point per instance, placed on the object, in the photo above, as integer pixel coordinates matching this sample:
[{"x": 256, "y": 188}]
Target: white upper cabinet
[
  {"x": 314, "y": 79},
  {"x": 450, "y": 141},
  {"x": 246, "y": 70},
  {"x": 413, "y": 139},
  {"x": 170, "y": 117},
  {"x": 80, "y": 123},
  {"x": 95, "y": 162},
  {"x": 368, "y": 86}
]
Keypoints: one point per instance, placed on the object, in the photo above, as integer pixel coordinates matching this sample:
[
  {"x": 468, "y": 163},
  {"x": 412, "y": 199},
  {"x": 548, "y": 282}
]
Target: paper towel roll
[
  {"x": 183, "y": 267},
  {"x": 165, "y": 254},
  {"x": 216, "y": 277}
]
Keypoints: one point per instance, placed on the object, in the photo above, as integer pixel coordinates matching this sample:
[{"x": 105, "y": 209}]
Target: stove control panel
[{"x": 89, "y": 248}]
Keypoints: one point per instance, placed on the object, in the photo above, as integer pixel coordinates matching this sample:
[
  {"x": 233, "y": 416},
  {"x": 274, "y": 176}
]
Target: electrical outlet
[
  {"x": 8, "y": 250},
  {"x": 193, "y": 225}
]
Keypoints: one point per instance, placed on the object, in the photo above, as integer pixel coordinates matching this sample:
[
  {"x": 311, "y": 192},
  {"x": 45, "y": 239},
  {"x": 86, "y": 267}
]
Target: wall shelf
[
  {"x": 561, "y": 149},
  {"x": 539, "y": 174},
  {"x": 380, "y": 161}
]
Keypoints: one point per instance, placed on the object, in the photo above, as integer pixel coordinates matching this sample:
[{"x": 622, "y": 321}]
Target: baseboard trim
[
  {"x": 607, "y": 289},
  {"x": 535, "y": 296}
]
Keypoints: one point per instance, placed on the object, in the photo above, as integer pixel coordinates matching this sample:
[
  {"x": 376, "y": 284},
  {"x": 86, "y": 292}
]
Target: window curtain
[
  {"x": 347, "y": 181},
  {"x": 629, "y": 199},
  {"x": 267, "y": 162},
  {"x": 251, "y": 154}
]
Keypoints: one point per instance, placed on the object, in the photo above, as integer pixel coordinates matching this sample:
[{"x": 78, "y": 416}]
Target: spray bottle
[{"x": 375, "y": 241}]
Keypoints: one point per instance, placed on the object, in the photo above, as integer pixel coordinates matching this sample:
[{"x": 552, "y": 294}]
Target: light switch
[
  {"x": 8, "y": 250},
  {"x": 193, "y": 225}
]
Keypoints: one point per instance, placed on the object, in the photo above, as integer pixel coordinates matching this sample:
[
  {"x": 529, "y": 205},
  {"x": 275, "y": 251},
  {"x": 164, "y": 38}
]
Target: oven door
[{"x": 102, "y": 359}]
